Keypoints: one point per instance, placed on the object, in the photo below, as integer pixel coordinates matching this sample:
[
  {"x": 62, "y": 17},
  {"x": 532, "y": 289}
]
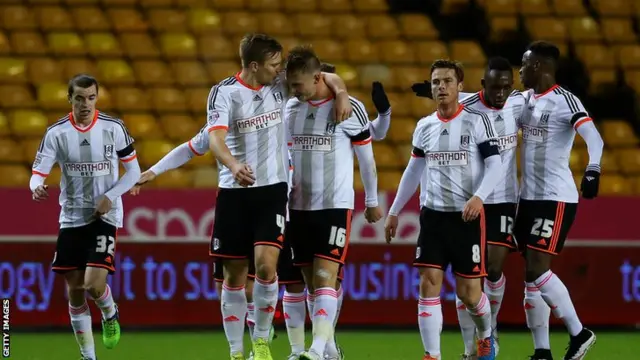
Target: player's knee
[
  {"x": 430, "y": 284},
  {"x": 324, "y": 278},
  {"x": 266, "y": 271},
  {"x": 76, "y": 294},
  {"x": 469, "y": 291},
  {"x": 295, "y": 288},
  {"x": 536, "y": 264},
  {"x": 494, "y": 273},
  {"x": 95, "y": 288}
]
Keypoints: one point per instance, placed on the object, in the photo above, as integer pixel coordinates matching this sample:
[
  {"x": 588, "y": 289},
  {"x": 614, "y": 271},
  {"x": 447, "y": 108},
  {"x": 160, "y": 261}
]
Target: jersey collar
[
  {"x": 83, "y": 130},
  {"x": 537, "y": 96},
  {"x": 443, "y": 119}
]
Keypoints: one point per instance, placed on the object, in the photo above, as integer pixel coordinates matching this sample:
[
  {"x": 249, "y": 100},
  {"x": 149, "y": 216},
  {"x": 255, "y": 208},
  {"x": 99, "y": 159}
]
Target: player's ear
[
  {"x": 460, "y": 86},
  {"x": 317, "y": 77},
  {"x": 253, "y": 66}
]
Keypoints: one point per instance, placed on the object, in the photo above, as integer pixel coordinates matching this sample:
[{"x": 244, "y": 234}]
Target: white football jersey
[
  {"x": 453, "y": 151},
  {"x": 88, "y": 158},
  {"x": 548, "y": 131},
  {"x": 253, "y": 118},
  {"x": 506, "y": 122},
  {"x": 322, "y": 153}
]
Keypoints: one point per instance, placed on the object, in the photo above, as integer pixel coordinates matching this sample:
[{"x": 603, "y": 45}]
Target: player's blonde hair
[{"x": 302, "y": 58}]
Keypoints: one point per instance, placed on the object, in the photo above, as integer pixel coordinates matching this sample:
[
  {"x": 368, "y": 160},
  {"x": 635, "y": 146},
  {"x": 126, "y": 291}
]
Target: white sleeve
[
  {"x": 380, "y": 126},
  {"x": 127, "y": 181},
  {"x": 218, "y": 109},
  {"x": 46, "y": 156},
  {"x": 464, "y": 95},
  {"x": 408, "y": 183},
  {"x": 368, "y": 173},
  {"x": 591, "y": 136},
  {"x": 124, "y": 144},
  {"x": 174, "y": 159},
  {"x": 357, "y": 125}
]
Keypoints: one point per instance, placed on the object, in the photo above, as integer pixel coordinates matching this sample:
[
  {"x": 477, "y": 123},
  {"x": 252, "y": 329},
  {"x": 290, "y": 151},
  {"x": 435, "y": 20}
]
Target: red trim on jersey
[
  {"x": 39, "y": 173},
  {"x": 193, "y": 150},
  {"x": 83, "y": 130},
  {"x": 363, "y": 142},
  {"x": 237, "y": 76},
  {"x": 319, "y": 102},
  {"x": 537, "y": 96},
  {"x": 126, "y": 160},
  {"x": 460, "y": 107},
  {"x": 582, "y": 121},
  {"x": 482, "y": 100},
  {"x": 218, "y": 127}
]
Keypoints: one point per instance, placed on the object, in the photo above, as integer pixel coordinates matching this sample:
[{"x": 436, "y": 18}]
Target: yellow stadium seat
[
  {"x": 155, "y": 3},
  {"x": 329, "y": 50},
  {"x": 396, "y": 52},
  {"x": 27, "y": 123},
  {"x": 629, "y": 160},
  {"x": 618, "y": 133},
  {"x": 467, "y": 52},
  {"x": 382, "y": 27},
  {"x": 17, "y": 18},
  {"x": 348, "y": 26},
  {"x": 612, "y": 7},
  {"x": 599, "y": 78},
  {"x": 239, "y": 23},
  {"x": 349, "y": 75},
  {"x": 53, "y": 18},
  {"x": 116, "y": 72},
  {"x": 577, "y": 159},
  {"x": 5, "y": 129},
  {"x": 501, "y": 7},
  {"x": 28, "y": 43},
  {"x": 219, "y": 71},
  {"x": 66, "y": 44},
  {"x": 293, "y": 6},
  {"x": 53, "y": 96},
  {"x": 618, "y": 30},
  {"x": 421, "y": 107},
  {"x": 548, "y": 28},
  {"x": 143, "y": 126},
  {"x": 14, "y": 176},
  {"x": 151, "y": 151},
  {"x": 634, "y": 181},
  {"x": 203, "y": 160},
  {"x": 53, "y": 180},
  {"x": 614, "y": 185},
  {"x": 429, "y": 51},
  {"x": 405, "y": 76},
  {"x": 90, "y": 18},
  {"x": 12, "y": 70},
  {"x": 16, "y": 96},
  {"x": 190, "y": 73},
  {"x": 503, "y": 27},
  {"x": 9, "y": 151},
  {"x": 632, "y": 78},
  {"x": 126, "y": 19},
  {"x": 41, "y": 70},
  {"x": 609, "y": 162},
  {"x": 29, "y": 148},
  {"x": 389, "y": 180},
  {"x": 362, "y": 6},
  {"x": 341, "y": 6},
  {"x": 417, "y": 27},
  {"x": 180, "y": 128},
  {"x": 595, "y": 56},
  {"x": 584, "y": 29},
  {"x": 5, "y": 46},
  {"x": 197, "y": 100},
  {"x": 313, "y": 25},
  {"x": 152, "y": 72},
  {"x": 205, "y": 177},
  {"x": 71, "y": 67},
  {"x": 216, "y": 48},
  {"x": 361, "y": 51},
  {"x": 103, "y": 45},
  {"x": 568, "y": 7},
  {"x": 400, "y": 103},
  {"x": 168, "y": 99},
  {"x": 357, "y": 180},
  {"x": 628, "y": 56},
  {"x": 138, "y": 45},
  {"x": 263, "y": 5},
  {"x": 178, "y": 45},
  {"x": 131, "y": 99},
  {"x": 228, "y": 4},
  {"x": 276, "y": 24},
  {"x": 162, "y": 20},
  {"x": 401, "y": 130},
  {"x": 289, "y": 42},
  {"x": 472, "y": 79},
  {"x": 534, "y": 7},
  {"x": 202, "y": 20},
  {"x": 384, "y": 155}
]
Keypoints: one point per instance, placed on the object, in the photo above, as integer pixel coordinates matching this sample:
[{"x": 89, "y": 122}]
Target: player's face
[
  {"x": 528, "y": 70},
  {"x": 445, "y": 86},
  {"x": 303, "y": 84},
  {"x": 269, "y": 70},
  {"x": 497, "y": 86},
  {"x": 83, "y": 102}
]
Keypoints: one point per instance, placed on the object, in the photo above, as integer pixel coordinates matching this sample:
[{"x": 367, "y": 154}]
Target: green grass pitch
[{"x": 358, "y": 345}]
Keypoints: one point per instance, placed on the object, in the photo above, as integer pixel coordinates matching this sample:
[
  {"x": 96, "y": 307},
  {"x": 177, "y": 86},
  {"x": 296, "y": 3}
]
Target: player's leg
[
  {"x": 99, "y": 265},
  {"x": 431, "y": 259},
  {"x": 293, "y": 301},
  {"x": 536, "y": 309},
  {"x": 248, "y": 289},
  {"x": 551, "y": 227},
  {"x": 468, "y": 330},
  {"x": 233, "y": 303},
  {"x": 333, "y": 350}
]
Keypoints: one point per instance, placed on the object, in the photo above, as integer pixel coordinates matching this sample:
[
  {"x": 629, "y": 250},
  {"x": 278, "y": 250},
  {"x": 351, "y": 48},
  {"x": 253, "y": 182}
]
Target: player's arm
[
  {"x": 485, "y": 138},
  {"x": 129, "y": 159},
  {"x": 412, "y": 174},
  {"x": 380, "y": 126},
  {"x": 342, "y": 106},
  {"x": 42, "y": 165}
]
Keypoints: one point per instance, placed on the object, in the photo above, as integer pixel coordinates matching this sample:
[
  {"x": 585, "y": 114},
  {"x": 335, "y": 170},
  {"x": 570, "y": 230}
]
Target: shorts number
[
  {"x": 106, "y": 244},
  {"x": 475, "y": 254},
  {"x": 281, "y": 221},
  {"x": 506, "y": 224},
  {"x": 338, "y": 237},
  {"x": 542, "y": 227}
]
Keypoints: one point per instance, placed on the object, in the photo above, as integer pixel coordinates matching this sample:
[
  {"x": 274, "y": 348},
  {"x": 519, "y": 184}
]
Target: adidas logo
[
  {"x": 311, "y": 116},
  {"x": 444, "y": 132},
  {"x": 257, "y": 98},
  {"x": 321, "y": 312},
  {"x": 85, "y": 142},
  {"x": 590, "y": 178},
  {"x": 499, "y": 118}
]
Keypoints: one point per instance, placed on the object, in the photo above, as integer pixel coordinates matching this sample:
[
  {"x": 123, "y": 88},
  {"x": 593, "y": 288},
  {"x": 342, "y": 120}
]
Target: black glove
[
  {"x": 422, "y": 89},
  {"x": 590, "y": 182},
  {"x": 379, "y": 98}
]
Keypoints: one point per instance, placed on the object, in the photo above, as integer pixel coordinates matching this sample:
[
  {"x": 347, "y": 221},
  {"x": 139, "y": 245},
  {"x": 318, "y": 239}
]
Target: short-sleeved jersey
[
  {"x": 322, "y": 153},
  {"x": 548, "y": 131},
  {"x": 454, "y": 150},
  {"x": 88, "y": 158},
  {"x": 506, "y": 122},
  {"x": 253, "y": 118}
]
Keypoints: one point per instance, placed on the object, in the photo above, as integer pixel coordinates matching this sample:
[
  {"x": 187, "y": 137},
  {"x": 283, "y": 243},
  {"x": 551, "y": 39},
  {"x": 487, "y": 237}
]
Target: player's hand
[
  {"x": 590, "y": 183},
  {"x": 390, "y": 227},
  {"x": 104, "y": 205},
  {"x": 342, "y": 107},
  {"x": 146, "y": 177},
  {"x": 379, "y": 97},
  {"x": 472, "y": 209},
  {"x": 373, "y": 214},
  {"x": 422, "y": 89},
  {"x": 243, "y": 174},
  {"x": 40, "y": 193}
]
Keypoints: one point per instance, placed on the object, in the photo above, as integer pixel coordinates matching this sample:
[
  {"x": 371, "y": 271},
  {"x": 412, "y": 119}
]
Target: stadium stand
[{"x": 157, "y": 59}]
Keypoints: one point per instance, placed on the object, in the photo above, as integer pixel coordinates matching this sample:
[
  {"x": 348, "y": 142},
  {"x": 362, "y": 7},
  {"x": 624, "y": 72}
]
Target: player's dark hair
[
  {"x": 84, "y": 81},
  {"x": 499, "y": 63},
  {"x": 545, "y": 49},
  {"x": 328, "y": 68},
  {"x": 302, "y": 58},
  {"x": 258, "y": 48},
  {"x": 449, "y": 64}
]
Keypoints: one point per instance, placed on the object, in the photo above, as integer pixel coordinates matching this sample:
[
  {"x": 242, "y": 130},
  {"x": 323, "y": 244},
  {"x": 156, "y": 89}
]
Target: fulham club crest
[
  {"x": 108, "y": 151},
  {"x": 278, "y": 97},
  {"x": 464, "y": 140}
]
